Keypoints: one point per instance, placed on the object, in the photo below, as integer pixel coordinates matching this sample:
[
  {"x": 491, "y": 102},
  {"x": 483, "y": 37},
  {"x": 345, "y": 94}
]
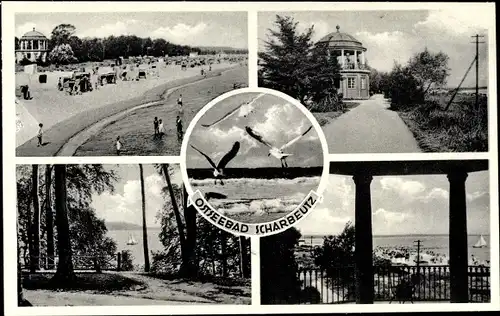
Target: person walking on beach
[
  {"x": 118, "y": 146},
  {"x": 155, "y": 125},
  {"x": 40, "y": 134},
  {"x": 178, "y": 122},
  {"x": 161, "y": 129},
  {"x": 179, "y": 103},
  {"x": 95, "y": 79}
]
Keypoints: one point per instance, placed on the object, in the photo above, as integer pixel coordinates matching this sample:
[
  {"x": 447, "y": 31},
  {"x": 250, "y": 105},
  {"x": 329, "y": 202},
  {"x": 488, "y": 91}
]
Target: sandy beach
[{"x": 51, "y": 106}]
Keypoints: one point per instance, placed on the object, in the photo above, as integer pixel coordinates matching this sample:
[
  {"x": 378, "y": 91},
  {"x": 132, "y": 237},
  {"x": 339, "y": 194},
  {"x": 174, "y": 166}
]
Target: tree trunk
[
  {"x": 64, "y": 273},
  {"x": 49, "y": 220},
  {"x": 144, "y": 224},
  {"x": 244, "y": 257},
  {"x": 180, "y": 226},
  {"x": 35, "y": 256},
  {"x": 223, "y": 255},
  {"x": 190, "y": 218}
]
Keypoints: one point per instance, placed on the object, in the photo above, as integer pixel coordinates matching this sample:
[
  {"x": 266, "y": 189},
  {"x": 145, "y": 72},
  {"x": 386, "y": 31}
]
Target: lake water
[
  {"x": 435, "y": 243},
  {"x": 121, "y": 237}
]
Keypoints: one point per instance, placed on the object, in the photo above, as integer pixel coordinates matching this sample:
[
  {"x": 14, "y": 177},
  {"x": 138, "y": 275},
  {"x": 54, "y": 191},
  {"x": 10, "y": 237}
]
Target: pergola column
[
  {"x": 355, "y": 59},
  {"x": 363, "y": 58},
  {"x": 459, "y": 289},
  {"x": 343, "y": 58},
  {"x": 363, "y": 252}
]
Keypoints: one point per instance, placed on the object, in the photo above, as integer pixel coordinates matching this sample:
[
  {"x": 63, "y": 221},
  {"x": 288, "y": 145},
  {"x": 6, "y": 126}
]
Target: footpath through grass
[{"x": 461, "y": 128}]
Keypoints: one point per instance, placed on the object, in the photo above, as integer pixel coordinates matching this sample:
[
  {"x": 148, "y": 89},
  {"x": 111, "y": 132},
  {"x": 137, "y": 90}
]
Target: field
[{"x": 459, "y": 129}]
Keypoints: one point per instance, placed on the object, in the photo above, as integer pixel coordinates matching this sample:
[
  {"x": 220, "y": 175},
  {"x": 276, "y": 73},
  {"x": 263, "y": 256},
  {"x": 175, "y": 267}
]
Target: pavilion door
[{"x": 352, "y": 88}]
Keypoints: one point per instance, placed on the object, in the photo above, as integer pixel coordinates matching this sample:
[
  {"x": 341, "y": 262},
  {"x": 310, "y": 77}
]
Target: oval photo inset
[{"x": 253, "y": 162}]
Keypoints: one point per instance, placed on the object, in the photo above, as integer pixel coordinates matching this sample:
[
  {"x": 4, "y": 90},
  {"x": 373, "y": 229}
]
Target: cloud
[
  {"x": 127, "y": 206},
  {"x": 405, "y": 188},
  {"x": 436, "y": 193},
  {"x": 390, "y": 218},
  {"x": 456, "y": 22},
  {"x": 128, "y": 27},
  {"x": 44, "y": 28},
  {"x": 181, "y": 32},
  {"x": 382, "y": 53},
  {"x": 320, "y": 28},
  {"x": 476, "y": 195}
]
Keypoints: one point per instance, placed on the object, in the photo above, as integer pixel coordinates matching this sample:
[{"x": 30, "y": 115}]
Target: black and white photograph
[
  {"x": 387, "y": 232},
  {"x": 260, "y": 152},
  {"x": 111, "y": 235},
  {"x": 383, "y": 81},
  {"x": 107, "y": 84}
]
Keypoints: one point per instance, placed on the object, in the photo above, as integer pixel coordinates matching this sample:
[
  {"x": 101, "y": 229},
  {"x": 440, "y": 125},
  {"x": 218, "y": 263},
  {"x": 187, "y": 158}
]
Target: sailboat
[
  {"x": 481, "y": 243},
  {"x": 131, "y": 240}
]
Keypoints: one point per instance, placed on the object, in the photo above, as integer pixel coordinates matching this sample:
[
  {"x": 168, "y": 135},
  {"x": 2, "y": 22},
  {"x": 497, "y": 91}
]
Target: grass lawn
[
  {"x": 85, "y": 281},
  {"x": 324, "y": 118},
  {"x": 459, "y": 129}
]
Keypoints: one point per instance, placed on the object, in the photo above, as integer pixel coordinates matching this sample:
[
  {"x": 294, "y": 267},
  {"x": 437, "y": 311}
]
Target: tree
[
  {"x": 191, "y": 234},
  {"x": 429, "y": 69},
  {"x": 279, "y": 280},
  {"x": 62, "y": 54},
  {"x": 64, "y": 273},
  {"x": 49, "y": 221},
  {"x": 144, "y": 224},
  {"x": 35, "y": 229},
  {"x": 292, "y": 64},
  {"x": 177, "y": 214},
  {"x": 61, "y": 34},
  {"x": 16, "y": 43}
]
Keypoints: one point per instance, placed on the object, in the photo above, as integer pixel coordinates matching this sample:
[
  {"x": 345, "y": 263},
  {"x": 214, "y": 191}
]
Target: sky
[
  {"x": 124, "y": 205},
  {"x": 276, "y": 120},
  {"x": 401, "y": 205},
  {"x": 392, "y": 36},
  {"x": 186, "y": 28}
]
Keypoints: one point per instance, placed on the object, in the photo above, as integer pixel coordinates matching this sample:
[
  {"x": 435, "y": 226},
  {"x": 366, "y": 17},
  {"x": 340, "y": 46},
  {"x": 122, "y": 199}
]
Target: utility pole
[{"x": 477, "y": 42}]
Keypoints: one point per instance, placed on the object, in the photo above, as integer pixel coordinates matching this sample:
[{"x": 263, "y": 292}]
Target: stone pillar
[
  {"x": 459, "y": 289},
  {"x": 343, "y": 59},
  {"x": 363, "y": 58},
  {"x": 355, "y": 59},
  {"x": 363, "y": 252}
]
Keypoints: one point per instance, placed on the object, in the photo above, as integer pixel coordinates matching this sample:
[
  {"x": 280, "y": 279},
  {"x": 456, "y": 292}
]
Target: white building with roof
[{"x": 32, "y": 46}]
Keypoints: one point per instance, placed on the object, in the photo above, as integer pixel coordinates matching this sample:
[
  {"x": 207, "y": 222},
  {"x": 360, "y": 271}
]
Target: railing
[{"x": 407, "y": 283}]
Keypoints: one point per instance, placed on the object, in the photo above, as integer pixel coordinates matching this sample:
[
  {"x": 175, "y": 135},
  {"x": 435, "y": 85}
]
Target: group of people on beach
[{"x": 159, "y": 128}]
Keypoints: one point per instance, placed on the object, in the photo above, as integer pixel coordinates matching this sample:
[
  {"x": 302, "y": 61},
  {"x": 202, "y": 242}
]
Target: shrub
[{"x": 127, "y": 263}]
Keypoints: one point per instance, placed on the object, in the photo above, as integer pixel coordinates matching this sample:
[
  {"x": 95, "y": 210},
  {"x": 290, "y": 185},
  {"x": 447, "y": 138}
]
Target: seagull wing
[
  {"x": 295, "y": 139},
  {"x": 229, "y": 156},
  {"x": 256, "y": 136},
  {"x": 208, "y": 158},
  {"x": 232, "y": 112}
]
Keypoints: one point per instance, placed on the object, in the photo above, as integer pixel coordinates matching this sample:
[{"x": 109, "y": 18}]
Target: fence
[{"x": 424, "y": 283}]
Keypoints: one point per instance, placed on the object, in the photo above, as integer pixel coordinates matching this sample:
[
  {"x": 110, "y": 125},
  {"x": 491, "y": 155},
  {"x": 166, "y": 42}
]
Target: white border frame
[{"x": 484, "y": 11}]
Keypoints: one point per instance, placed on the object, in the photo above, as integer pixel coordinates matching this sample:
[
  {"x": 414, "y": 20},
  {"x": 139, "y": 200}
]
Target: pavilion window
[
  {"x": 351, "y": 83},
  {"x": 35, "y": 44}
]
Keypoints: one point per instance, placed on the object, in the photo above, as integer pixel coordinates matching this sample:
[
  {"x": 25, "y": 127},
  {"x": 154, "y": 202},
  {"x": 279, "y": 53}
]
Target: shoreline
[{"x": 60, "y": 133}]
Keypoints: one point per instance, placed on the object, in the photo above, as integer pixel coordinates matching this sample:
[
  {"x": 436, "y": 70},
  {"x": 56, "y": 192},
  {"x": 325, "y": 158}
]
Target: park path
[
  {"x": 154, "y": 291},
  {"x": 370, "y": 128}
]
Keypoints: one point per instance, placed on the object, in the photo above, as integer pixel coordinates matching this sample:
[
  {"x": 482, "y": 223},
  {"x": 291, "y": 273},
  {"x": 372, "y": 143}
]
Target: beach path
[
  {"x": 370, "y": 128},
  {"x": 63, "y": 126},
  {"x": 136, "y": 128}
]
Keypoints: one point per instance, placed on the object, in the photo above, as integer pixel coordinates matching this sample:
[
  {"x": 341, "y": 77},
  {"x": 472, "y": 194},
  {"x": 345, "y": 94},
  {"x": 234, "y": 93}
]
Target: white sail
[
  {"x": 131, "y": 240},
  {"x": 480, "y": 243}
]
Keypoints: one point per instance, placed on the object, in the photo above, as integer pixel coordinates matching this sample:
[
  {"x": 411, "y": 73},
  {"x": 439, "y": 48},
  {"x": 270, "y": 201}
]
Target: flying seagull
[
  {"x": 232, "y": 112},
  {"x": 219, "y": 168},
  {"x": 275, "y": 151}
]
